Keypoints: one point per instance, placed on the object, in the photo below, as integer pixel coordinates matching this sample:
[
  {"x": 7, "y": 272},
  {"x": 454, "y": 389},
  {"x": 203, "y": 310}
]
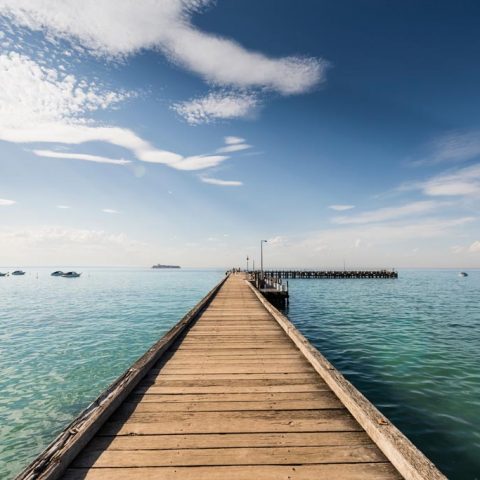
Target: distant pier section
[{"x": 385, "y": 273}]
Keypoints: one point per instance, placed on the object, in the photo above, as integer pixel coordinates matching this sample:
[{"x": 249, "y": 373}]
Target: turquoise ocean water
[
  {"x": 63, "y": 340},
  {"x": 410, "y": 345}
]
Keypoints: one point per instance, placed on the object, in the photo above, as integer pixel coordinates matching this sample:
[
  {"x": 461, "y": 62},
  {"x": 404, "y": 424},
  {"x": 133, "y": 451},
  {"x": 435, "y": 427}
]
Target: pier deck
[{"x": 235, "y": 396}]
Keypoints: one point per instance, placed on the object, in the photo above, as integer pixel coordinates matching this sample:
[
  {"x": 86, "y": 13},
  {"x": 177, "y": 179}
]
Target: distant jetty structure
[
  {"x": 159, "y": 265},
  {"x": 385, "y": 273},
  {"x": 270, "y": 283}
]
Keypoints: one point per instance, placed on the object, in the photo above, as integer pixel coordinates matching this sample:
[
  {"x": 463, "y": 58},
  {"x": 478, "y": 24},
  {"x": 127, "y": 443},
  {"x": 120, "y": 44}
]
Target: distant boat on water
[
  {"x": 463, "y": 274},
  {"x": 18, "y": 272},
  {"x": 71, "y": 275},
  {"x": 159, "y": 265},
  {"x": 57, "y": 273},
  {"x": 3, "y": 274}
]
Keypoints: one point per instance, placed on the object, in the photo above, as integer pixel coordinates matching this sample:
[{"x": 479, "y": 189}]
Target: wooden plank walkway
[
  {"x": 233, "y": 399},
  {"x": 232, "y": 392}
]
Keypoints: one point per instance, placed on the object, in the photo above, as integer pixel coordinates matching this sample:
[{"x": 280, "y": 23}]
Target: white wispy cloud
[
  {"x": 463, "y": 182},
  {"x": 453, "y": 147},
  {"x": 32, "y": 93},
  {"x": 234, "y": 144},
  {"x": 117, "y": 29},
  {"x": 474, "y": 247},
  {"x": 40, "y": 104},
  {"x": 63, "y": 207},
  {"x": 200, "y": 162},
  {"x": 6, "y": 203},
  {"x": 222, "y": 183},
  {"x": 232, "y": 140},
  {"x": 109, "y": 210},
  {"x": 234, "y": 148},
  {"x": 341, "y": 208},
  {"x": 80, "y": 156},
  {"x": 390, "y": 213},
  {"x": 217, "y": 106}
]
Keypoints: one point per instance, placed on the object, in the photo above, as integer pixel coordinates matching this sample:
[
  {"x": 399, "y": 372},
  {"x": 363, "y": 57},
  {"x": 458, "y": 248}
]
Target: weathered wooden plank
[
  {"x": 362, "y": 471},
  {"x": 187, "y": 362},
  {"x": 149, "y": 396},
  {"x": 327, "y": 402},
  {"x": 230, "y": 456},
  {"x": 227, "y": 440},
  {"x": 161, "y": 381},
  {"x": 197, "y": 349},
  {"x": 244, "y": 355},
  {"x": 236, "y": 368},
  {"x": 251, "y": 350},
  {"x": 307, "y": 387},
  {"x": 154, "y": 376},
  {"x": 231, "y": 422}
]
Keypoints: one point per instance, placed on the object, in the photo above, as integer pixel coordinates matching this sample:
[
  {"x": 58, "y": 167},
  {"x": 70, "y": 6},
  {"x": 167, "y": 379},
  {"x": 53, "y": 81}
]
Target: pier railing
[{"x": 269, "y": 281}]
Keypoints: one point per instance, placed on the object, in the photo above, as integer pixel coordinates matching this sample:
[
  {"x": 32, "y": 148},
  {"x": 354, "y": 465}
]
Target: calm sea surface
[
  {"x": 63, "y": 340},
  {"x": 410, "y": 345}
]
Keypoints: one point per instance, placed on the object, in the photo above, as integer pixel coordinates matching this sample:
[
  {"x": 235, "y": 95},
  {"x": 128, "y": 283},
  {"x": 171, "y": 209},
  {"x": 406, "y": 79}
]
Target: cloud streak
[
  {"x": 341, "y": 208},
  {"x": 474, "y": 247},
  {"x": 463, "y": 182},
  {"x": 110, "y": 29},
  {"x": 40, "y": 104},
  {"x": 390, "y": 213},
  {"x": 221, "y": 183},
  {"x": 454, "y": 147},
  {"x": 80, "y": 156},
  {"x": 6, "y": 203},
  {"x": 234, "y": 148}
]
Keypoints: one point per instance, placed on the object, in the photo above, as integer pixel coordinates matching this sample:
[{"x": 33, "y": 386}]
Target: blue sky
[{"x": 186, "y": 131}]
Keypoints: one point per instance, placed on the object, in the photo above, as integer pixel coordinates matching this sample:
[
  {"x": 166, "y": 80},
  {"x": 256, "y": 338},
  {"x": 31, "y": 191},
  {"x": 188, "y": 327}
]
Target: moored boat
[
  {"x": 71, "y": 275},
  {"x": 3, "y": 274},
  {"x": 463, "y": 274},
  {"x": 18, "y": 272},
  {"x": 57, "y": 273}
]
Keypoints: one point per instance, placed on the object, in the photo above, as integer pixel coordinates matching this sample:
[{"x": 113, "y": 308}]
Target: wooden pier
[
  {"x": 332, "y": 273},
  {"x": 232, "y": 392}
]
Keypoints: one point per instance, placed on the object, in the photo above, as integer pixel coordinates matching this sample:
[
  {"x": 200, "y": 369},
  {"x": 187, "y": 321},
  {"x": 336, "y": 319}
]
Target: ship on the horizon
[{"x": 159, "y": 265}]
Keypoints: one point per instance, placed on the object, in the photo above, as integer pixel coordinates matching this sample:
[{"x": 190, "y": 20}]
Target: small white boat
[
  {"x": 18, "y": 272},
  {"x": 463, "y": 274},
  {"x": 58, "y": 273},
  {"x": 71, "y": 275}
]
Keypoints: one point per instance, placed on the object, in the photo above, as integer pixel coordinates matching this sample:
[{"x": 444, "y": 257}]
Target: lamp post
[
  {"x": 247, "y": 263},
  {"x": 261, "y": 256}
]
